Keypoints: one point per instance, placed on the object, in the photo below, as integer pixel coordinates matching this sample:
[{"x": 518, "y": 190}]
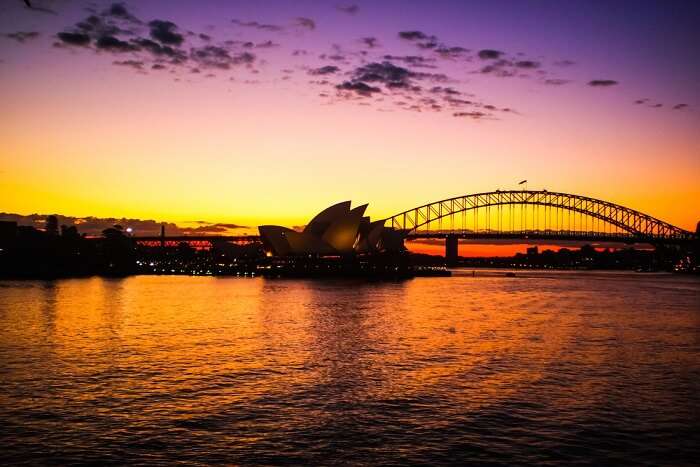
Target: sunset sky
[{"x": 267, "y": 112}]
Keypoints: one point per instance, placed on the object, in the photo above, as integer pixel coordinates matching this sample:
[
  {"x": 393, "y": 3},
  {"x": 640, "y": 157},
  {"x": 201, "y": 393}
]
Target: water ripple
[{"x": 553, "y": 369}]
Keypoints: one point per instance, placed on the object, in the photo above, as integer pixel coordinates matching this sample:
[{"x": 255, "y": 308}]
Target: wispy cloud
[
  {"x": 490, "y": 54},
  {"x": 358, "y": 87},
  {"x": 602, "y": 83},
  {"x": 258, "y": 25},
  {"x": 370, "y": 42},
  {"x": 306, "y": 23},
  {"x": 21, "y": 36},
  {"x": 324, "y": 70},
  {"x": 349, "y": 9}
]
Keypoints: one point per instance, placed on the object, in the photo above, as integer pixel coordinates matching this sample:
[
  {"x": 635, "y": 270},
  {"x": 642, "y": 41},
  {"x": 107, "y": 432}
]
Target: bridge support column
[{"x": 451, "y": 250}]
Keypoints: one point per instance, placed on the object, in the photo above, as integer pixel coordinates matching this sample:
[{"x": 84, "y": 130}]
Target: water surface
[{"x": 547, "y": 367}]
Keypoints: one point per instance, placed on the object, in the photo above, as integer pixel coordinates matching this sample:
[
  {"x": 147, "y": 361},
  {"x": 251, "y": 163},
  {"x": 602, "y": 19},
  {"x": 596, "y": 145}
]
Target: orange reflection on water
[{"x": 243, "y": 359}]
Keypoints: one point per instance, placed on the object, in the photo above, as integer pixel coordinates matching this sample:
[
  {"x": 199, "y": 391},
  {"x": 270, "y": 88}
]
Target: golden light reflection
[{"x": 217, "y": 343}]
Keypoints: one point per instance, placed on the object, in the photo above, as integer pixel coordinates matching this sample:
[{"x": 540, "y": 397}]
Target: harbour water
[{"x": 555, "y": 368}]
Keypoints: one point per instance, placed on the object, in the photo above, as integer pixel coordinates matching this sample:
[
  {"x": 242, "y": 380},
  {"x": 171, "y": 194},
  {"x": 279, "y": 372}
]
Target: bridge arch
[{"x": 635, "y": 224}]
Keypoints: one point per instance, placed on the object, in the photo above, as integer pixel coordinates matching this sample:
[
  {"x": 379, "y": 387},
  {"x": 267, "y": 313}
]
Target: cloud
[
  {"x": 212, "y": 56},
  {"x": 457, "y": 102},
  {"x": 427, "y": 45},
  {"x": 22, "y": 36},
  {"x": 161, "y": 46},
  {"x": 429, "y": 41},
  {"x": 257, "y": 25},
  {"x": 564, "y": 63},
  {"x": 175, "y": 54},
  {"x": 74, "y": 38},
  {"x": 165, "y": 32},
  {"x": 556, "y": 82},
  {"x": 420, "y": 39},
  {"x": 245, "y": 58},
  {"x": 450, "y": 52},
  {"x": 407, "y": 81},
  {"x": 641, "y": 101},
  {"x": 415, "y": 36},
  {"x": 203, "y": 230},
  {"x": 112, "y": 44},
  {"x": 370, "y": 42},
  {"x": 680, "y": 106},
  {"x": 501, "y": 68},
  {"x": 445, "y": 91},
  {"x": 602, "y": 82},
  {"x": 489, "y": 54},
  {"x": 476, "y": 115},
  {"x": 360, "y": 88},
  {"x": 100, "y": 26},
  {"x": 135, "y": 64},
  {"x": 324, "y": 70},
  {"x": 208, "y": 228},
  {"x": 405, "y": 87},
  {"x": 390, "y": 75},
  {"x": 306, "y": 23},
  {"x": 349, "y": 9},
  {"x": 527, "y": 64},
  {"x": 334, "y": 57},
  {"x": 232, "y": 226},
  {"x": 119, "y": 10},
  {"x": 417, "y": 61},
  {"x": 266, "y": 45}
]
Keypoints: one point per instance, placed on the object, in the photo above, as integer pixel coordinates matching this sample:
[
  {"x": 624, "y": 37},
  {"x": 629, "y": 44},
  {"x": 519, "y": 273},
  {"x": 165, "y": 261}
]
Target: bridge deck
[{"x": 563, "y": 235}]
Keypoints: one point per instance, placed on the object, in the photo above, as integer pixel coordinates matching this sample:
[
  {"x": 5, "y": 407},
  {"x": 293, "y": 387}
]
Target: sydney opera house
[{"x": 335, "y": 231}]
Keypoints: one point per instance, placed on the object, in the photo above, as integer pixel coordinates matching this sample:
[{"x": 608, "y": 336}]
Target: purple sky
[{"x": 395, "y": 102}]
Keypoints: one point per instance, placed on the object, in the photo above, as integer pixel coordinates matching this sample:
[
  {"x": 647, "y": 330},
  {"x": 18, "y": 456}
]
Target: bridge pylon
[{"x": 451, "y": 249}]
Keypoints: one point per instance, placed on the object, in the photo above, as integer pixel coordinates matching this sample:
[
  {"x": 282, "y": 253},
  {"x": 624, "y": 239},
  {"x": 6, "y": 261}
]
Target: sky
[{"x": 246, "y": 113}]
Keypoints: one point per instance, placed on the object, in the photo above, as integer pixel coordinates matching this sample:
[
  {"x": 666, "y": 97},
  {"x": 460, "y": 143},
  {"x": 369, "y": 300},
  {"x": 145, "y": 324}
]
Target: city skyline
[{"x": 250, "y": 114}]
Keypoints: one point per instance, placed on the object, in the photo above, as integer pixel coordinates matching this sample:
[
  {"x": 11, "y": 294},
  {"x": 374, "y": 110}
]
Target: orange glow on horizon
[{"x": 476, "y": 250}]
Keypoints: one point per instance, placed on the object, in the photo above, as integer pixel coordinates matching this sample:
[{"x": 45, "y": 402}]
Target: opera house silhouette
[{"x": 336, "y": 231}]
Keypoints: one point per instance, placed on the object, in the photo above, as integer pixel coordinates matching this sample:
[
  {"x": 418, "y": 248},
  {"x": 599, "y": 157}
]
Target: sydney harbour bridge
[{"x": 505, "y": 215}]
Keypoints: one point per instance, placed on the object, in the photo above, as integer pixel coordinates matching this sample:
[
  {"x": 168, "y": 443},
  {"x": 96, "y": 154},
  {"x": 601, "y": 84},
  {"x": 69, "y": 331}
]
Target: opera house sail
[{"x": 338, "y": 230}]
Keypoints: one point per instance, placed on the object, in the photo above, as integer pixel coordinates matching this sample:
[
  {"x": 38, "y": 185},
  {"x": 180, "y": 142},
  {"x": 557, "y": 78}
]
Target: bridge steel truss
[{"x": 633, "y": 225}]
